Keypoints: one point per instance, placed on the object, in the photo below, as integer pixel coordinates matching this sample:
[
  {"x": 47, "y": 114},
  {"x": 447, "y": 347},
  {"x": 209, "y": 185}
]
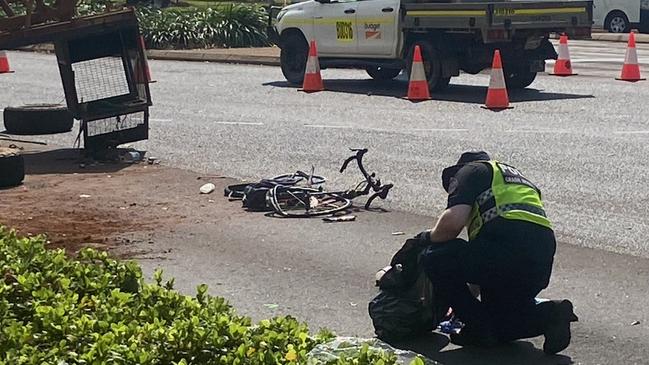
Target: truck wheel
[
  {"x": 432, "y": 65},
  {"x": 519, "y": 79},
  {"x": 38, "y": 119},
  {"x": 293, "y": 58},
  {"x": 382, "y": 73},
  {"x": 617, "y": 22},
  {"x": 12, "y": 168}
]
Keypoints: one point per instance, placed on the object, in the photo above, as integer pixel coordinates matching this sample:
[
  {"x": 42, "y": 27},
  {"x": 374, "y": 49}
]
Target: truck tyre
[
  {"x": 38, "y": 119},
  {"x": 382, "y": 73},
  {"x": 617, "y": 22},
  {"x": 432, "y": 65},
  {"x": 519, "y": 78},
  {"x": 12, "y": 167},
  {"x": 293, "y": 57}
]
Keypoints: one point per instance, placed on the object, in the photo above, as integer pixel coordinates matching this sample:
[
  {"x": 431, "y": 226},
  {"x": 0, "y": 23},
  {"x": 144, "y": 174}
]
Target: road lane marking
[
  {"x": 632, "y": 132},
  {"x": 240, "y": 123},
  {"x": 328, "y": 126},
  {"x": 556, "y": 131},
  {"x": 593, "y": 60},
  {"x": 440, "y": 130}
]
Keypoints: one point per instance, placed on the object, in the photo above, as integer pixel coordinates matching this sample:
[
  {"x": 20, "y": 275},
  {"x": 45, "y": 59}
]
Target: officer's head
[{"x": 465, "y": 158}]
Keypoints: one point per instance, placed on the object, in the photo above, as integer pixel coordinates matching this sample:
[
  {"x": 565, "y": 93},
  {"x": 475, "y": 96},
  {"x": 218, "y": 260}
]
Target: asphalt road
[{"x": 583, "y": 139}]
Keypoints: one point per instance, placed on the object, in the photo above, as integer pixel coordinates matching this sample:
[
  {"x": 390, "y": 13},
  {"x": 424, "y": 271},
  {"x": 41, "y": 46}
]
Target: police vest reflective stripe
[{"x": 511, "y": 196}]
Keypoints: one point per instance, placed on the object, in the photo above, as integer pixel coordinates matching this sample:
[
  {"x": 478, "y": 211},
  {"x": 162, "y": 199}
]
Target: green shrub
[
  {"x": 222, "y": 27},
  {"x": 96, "y": 310}
]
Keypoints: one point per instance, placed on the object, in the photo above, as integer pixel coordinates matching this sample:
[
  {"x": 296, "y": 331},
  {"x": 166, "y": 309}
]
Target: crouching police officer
[{"x": 509, "y": 255}]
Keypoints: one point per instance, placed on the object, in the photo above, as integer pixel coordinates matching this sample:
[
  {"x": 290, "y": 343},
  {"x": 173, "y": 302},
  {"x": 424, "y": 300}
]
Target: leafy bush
[
  {"x": 226, "y": 26},
  {"x": 97, "y": 310}
]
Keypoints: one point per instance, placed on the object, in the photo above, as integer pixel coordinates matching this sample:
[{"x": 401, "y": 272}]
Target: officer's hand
[{"x": 423, "y": 237}]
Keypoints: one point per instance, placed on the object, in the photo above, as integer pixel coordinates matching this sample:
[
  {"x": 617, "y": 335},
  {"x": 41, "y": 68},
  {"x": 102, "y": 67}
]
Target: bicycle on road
[{"x": 300, "y": 202}]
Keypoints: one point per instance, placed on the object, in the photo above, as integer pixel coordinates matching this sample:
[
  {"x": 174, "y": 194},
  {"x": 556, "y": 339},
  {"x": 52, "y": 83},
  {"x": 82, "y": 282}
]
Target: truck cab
[{"x": 347, "y": 28}]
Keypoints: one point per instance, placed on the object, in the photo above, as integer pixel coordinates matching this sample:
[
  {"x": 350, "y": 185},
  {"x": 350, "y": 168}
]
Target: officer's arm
[{"x": 450, "y": 223}]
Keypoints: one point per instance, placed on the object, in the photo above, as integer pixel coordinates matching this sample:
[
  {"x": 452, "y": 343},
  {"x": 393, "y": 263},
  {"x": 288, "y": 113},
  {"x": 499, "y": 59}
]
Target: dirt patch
[{"x": 78, "y": 202}]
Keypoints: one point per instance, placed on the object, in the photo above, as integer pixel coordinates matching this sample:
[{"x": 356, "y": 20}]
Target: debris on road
[
  {"x": 12, "y": 167},
  {"x": 341, "y": 347},
  {"x": 271, "y": 306},
  {"x": 8, "y": 138},
  {"x": 635, "y": 323},
  {"x": 398, "y": 233},
  {"x": 131, "y": 156},
  {"x": 340, "y": 218},
  {"x": 207, "y": 188},
  {"x": 84, "y": 196}
]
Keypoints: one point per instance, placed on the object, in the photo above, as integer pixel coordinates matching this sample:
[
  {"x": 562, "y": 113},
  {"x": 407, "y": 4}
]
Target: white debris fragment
[{"x": 207, "y": 188}]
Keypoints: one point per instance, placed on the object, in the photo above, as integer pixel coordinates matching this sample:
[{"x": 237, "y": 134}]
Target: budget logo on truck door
[
  {"x": 372, "y": 31},
  {"x": 344, "y": 31}
]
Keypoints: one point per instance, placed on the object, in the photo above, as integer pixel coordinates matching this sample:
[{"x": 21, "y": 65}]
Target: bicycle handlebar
[{"x": 380, "y": 191}]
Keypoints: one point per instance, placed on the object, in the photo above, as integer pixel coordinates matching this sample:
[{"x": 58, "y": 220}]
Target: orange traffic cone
[
  {"x": 4, "y": 63},
  {"x": 631, "y": 69},
  {"x": 312, "y": 78},
  {"x": 142, "y": 71},
  {"x": 418, "y": 86},
  {"x": 563, "y": 66},
  {"x": 497, "y": 98}
]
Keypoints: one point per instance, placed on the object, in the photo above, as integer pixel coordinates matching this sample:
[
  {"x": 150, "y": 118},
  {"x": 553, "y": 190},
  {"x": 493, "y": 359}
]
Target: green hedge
[
  {"x": 226, "y": 25},
  {"x": 96, "y": 310},
  {"x": 222, "y": 27}
]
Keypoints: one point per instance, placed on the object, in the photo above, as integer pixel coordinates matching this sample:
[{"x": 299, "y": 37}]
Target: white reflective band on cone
[
  {"x": 312, "y": 65},
  {"x": 497, "y": 80},
  {"x": 417, "y": 72},
  {"x": 564, "y": 54},
  {"x": 631, "y": 57}
]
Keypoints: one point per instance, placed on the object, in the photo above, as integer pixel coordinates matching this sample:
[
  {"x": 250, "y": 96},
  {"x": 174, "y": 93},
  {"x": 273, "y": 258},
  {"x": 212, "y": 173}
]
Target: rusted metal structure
[{"x": 101, "y": 61}]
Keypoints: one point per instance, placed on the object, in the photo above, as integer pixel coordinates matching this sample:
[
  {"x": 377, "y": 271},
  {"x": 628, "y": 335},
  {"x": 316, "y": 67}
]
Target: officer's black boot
[
  {"x": 557, "y": 332},
  {"x": 469, "y": 336}
]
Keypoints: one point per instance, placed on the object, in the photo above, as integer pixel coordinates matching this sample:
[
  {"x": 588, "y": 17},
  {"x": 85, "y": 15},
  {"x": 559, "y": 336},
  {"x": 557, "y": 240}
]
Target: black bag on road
[{"x": 406, "y": 306}]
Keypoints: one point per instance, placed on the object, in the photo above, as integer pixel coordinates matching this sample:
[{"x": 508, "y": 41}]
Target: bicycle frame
[{"x": 380, "y": 191}]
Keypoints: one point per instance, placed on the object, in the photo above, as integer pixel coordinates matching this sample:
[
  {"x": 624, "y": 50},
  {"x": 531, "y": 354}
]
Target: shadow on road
[
  {"x": 516, "y": 353},
  {"x": 455, "y": 93},
  {"x": 66, "y": 161}
]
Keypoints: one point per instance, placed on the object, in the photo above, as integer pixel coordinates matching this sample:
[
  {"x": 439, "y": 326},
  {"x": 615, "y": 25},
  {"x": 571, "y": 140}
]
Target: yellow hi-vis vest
[{"x": 511, "y": 196}]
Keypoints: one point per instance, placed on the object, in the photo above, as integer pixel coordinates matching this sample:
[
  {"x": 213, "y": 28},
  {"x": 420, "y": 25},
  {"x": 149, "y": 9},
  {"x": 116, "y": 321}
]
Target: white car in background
[{"x": 620, "y": 16}]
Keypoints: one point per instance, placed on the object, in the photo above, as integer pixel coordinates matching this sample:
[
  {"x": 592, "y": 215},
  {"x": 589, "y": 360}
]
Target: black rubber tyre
[
  {"x": 519, "y": 78},
  {"x": 380, "y": 73},
  {"x": 432, "y": 65},
  {"x": 38, "y": 119},
  {"x": 617, "y": 22},
  {"x": 12, "y": 168},
  {"x": 293, "y": 57}
]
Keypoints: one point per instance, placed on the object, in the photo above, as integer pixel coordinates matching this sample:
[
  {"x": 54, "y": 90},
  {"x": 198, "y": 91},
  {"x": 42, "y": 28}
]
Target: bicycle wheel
[
  {"x": 299, "y": 177},
  {"x": 299, "y": 202}
]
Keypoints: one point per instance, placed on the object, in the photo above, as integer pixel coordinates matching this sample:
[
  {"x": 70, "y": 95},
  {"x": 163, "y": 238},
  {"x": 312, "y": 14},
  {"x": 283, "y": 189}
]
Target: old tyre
[
  {"x": 519, "y": 78},
  {"x": 12, "y": 167},
  {"x": 617, "y": 22},
  {"x": 432, "y": 65},
  {"x": 38, "y": 119},
  {"x": 382, "y": 73},
  {"x": 293, "y": 58}
]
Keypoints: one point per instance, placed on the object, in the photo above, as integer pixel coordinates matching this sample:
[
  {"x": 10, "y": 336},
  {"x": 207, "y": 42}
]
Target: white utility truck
[{"x": 379, "y": 36}]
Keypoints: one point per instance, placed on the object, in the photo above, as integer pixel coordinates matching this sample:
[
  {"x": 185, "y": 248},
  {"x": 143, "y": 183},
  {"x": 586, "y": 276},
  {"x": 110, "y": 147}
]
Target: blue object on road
[{"x": 453, "y": 325}]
